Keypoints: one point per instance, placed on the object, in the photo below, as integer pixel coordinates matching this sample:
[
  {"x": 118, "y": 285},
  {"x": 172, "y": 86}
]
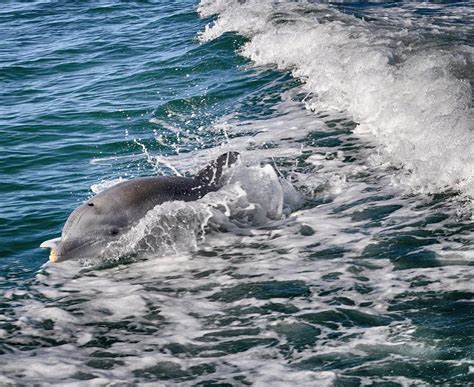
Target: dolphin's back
[
  {"x": 136, "y": 197},
  {"x": 158, "y": 189}
]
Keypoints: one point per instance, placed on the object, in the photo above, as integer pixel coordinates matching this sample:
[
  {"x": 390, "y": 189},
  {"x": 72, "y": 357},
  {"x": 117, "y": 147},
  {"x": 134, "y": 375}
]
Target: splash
[{"x": 250, "y": 197}]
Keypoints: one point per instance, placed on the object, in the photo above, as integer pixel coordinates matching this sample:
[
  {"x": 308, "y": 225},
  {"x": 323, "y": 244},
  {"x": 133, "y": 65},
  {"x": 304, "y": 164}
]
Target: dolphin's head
[{"x": 88, "y": 230}]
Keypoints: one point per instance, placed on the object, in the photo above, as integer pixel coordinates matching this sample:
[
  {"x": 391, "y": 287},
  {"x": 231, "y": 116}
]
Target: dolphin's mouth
[
  {"x": 54, "y": 256},
  {"x": 61, "y": 250},
  {"x": 52, "y": 244}
]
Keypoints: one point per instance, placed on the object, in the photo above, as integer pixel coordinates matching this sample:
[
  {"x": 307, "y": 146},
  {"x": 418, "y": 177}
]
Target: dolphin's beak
[{"x": 52, "y": 244}]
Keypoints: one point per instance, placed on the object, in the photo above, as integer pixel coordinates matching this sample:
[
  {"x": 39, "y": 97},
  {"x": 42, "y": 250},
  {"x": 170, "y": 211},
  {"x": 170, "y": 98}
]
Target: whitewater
[{"x": 393, "y": 84}]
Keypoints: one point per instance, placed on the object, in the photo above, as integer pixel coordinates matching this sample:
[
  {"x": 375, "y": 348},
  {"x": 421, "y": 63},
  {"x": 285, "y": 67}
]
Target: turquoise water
[{"x": 364, "y": 275}]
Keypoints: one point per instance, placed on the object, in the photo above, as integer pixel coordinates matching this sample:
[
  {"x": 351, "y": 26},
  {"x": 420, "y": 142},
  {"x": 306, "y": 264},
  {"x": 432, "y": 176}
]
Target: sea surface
[{"x": 339, "y": 252}]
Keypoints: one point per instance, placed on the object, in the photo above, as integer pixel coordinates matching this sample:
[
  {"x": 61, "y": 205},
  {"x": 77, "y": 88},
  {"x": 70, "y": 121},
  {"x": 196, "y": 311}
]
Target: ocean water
[{"x": 339, "y": 252}]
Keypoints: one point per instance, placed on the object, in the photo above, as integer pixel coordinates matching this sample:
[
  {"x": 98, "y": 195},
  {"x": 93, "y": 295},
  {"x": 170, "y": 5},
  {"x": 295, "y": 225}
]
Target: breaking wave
[{"x": 413, "y": 100}]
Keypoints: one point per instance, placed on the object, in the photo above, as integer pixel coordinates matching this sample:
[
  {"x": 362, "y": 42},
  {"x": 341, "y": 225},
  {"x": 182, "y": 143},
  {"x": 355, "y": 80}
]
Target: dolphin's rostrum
[{"x": 111, "y": 213}]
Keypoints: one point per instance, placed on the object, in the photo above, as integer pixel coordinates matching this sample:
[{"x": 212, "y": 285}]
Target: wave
[{"x": 409, "y": 94}]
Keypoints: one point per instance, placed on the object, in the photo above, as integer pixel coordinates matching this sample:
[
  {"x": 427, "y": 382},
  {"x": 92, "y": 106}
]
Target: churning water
[{"x": 338, "y": 253}]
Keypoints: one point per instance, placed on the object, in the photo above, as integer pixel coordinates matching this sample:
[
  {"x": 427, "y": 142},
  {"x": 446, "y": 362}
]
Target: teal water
[{"x": 366, "y": 109}]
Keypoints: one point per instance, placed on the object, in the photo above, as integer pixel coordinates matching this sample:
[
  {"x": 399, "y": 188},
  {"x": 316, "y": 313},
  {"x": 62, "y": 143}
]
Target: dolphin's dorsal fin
[{"x": 211, "y": 174}]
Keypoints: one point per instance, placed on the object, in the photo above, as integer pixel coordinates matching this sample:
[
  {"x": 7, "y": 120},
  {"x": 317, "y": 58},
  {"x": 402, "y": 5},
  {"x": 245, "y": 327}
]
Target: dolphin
[{"x": 107, "y": 216}]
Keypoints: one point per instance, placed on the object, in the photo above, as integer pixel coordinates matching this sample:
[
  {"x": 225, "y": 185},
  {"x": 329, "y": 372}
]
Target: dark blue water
[{"x": 364, "y": 109}]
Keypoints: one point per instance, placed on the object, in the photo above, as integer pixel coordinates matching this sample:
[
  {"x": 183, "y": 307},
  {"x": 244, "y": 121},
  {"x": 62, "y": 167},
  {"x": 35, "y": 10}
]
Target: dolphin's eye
[
  {"x": 114, "y": 231},
  {"x": 90, "y": 204}
]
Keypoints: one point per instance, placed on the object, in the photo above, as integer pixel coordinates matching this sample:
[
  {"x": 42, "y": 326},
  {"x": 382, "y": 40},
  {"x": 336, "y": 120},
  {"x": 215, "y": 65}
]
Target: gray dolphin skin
[{"x": 111, "y": 213}]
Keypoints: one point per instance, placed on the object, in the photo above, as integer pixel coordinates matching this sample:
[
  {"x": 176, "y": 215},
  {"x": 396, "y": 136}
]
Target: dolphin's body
[{"x": 111, "y": 213}]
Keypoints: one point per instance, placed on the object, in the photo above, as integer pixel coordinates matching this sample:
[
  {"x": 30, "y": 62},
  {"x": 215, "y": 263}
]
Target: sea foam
[{"x": 404, "y": 94}]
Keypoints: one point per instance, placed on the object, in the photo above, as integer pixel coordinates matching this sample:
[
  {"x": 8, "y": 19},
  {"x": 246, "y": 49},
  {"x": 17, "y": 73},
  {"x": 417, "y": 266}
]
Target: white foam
[
  {"x": 280, "y": 375},
  {"x": 106, "y": 184},
  {"x": 118, "y": 306},
  {"x": 406, "y": 98},
  {"x": 175, "y": 295}
]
